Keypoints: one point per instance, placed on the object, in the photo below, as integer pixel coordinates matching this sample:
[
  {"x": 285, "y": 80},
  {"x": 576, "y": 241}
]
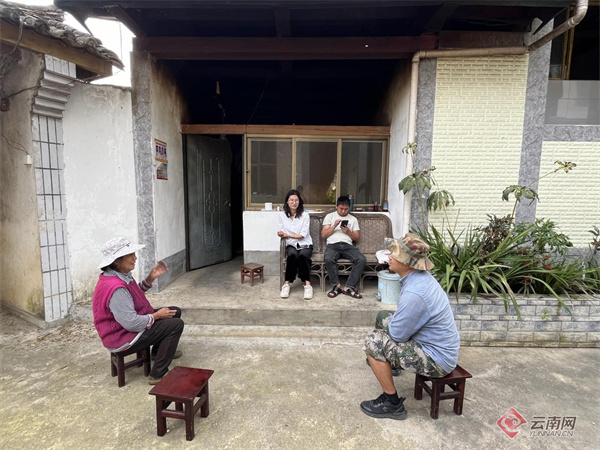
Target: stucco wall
[
  {"x": 99, "y": 178},
  {"x": 571, "y": 200},
  {"x": 21, "y": 275},
  {"x": 168, "y": 111},
  {"x": 396, "y": 110},
  {"x": 477, "y": 135}
]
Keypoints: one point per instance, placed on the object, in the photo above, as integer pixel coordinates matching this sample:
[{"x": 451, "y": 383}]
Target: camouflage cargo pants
[{"x": 406, "y": 355}]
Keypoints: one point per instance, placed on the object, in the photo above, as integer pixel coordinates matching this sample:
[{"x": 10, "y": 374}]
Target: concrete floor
[
  {"x": 278, "y": 392},
  {"x": 219, "y": 286},
  {"x": 214, "y": 296}
]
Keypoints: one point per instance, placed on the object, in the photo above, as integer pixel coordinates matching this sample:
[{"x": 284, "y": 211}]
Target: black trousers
[
  {"x": 298, "y": 262},
  {"x": 164, "y": 336}
]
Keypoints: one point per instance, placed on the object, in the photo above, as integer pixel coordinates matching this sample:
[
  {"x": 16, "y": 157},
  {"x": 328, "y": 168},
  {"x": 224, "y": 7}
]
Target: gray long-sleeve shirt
[{"x": 121, "y": 306}]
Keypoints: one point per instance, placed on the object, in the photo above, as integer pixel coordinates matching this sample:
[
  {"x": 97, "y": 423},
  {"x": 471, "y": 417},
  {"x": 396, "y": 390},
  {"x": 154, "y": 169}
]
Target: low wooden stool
[
  {"x": 181, "y": 386},
  {"x": 118, "y": 366},
  {"x": 455, "y": 379},
  {"x": 250, "y": 270}
]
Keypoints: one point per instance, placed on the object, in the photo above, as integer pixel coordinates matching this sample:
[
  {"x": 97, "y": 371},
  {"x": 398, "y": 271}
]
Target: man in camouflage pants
[{"x": 420, "y": 336}]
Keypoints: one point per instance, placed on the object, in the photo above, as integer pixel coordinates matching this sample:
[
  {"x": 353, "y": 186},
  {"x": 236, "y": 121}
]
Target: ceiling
[{"x": 344, "y": 86}]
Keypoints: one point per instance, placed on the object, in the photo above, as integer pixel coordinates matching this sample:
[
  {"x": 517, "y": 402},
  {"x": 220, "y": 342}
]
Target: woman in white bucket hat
[{"x": 123, "y": 316}]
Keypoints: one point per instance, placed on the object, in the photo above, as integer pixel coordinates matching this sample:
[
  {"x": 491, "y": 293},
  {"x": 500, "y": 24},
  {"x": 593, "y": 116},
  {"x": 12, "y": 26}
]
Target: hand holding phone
[{"x": 344, "y": 223}]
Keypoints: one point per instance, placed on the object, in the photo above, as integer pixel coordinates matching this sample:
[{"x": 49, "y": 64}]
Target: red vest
[{"x": 113, "y": 335}]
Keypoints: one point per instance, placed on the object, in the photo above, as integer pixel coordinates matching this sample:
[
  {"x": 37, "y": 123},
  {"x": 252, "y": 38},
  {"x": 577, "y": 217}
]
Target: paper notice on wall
[
  {"x": 161, "y": 171},
  {"x": 160, "y": 148},
  {"x": 161, "y": 151}
]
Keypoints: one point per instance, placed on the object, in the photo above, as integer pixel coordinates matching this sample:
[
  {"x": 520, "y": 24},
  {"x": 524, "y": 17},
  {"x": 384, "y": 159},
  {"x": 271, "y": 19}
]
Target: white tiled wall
[
  {"x": 477, "y": 136},
  {"x": 571, "y": 200},
  {"x": 50, "y": 187}
]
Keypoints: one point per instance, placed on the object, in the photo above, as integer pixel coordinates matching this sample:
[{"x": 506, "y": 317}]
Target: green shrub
[
  {"x": 464, "y": 265},
  {"x": 502, "y": 259}
]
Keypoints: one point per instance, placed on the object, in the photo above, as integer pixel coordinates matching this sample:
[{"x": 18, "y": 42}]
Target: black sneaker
[
  {"x": 382, "y": 408},
  {"x": 395, "y": 372}
]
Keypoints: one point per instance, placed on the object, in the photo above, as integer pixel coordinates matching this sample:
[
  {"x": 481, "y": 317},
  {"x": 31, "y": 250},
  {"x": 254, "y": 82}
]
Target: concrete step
[
  {"x": 214, "y": 296},
  {"x": 265, "y": 316},
  {"x": 292, "y": 335}
]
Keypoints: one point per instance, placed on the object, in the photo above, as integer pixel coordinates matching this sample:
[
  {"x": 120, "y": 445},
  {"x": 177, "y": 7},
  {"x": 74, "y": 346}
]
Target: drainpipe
[{"x": 581, "y": 8}]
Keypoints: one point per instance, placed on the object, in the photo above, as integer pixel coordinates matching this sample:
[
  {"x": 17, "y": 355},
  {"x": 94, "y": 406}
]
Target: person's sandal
[
  {"x": 352, "y": 293},
  {"x": 333, "y": 293}
]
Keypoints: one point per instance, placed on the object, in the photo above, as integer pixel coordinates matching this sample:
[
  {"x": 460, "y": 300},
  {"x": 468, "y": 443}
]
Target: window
[
  {"x": 271, "y": 169},
  {"x": 361, "y": 163},
  {"x": 316, "y": 166},
  {"x": 322, "y": 169}
]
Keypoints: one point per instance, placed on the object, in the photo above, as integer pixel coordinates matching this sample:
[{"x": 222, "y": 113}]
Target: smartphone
[{"x": 344, "y": 223}]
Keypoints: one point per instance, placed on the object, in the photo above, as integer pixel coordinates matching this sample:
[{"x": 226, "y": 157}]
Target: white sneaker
[
  {"x": 308, "y": 292},
  {"x": 285, "y": 291}
]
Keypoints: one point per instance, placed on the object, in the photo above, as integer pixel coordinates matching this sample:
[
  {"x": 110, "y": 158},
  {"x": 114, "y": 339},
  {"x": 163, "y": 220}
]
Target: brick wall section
[
  {"x": 572, "y": 200},
  {"x": 478, "y": 128},
  {"x": 544, "y": 323}
]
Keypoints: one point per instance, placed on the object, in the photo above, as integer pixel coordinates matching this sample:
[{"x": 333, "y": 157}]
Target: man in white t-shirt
[{"x": 341, "y": 230}]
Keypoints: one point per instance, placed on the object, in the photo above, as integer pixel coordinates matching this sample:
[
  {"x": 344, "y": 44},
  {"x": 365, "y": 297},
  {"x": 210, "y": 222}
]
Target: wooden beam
[
  {"x": 262, "y": 73},
  {"x": 283, "y": 25},
  {"x": 443, "y": 13},
  {"x": 55, "y": 47},
  {"x": 285, "y": 48},
  {"x": 123, "y": 16},
  {"x": 295, "y": 130}
]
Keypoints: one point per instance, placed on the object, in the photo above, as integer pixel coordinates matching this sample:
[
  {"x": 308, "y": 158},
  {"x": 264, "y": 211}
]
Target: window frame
[{"x": 295, "y": 138}]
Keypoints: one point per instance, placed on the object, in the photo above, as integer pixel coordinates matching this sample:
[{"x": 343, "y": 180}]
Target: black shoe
[
  {"x": 395, "y": 372},
  {"x": 382, "y": 408}
]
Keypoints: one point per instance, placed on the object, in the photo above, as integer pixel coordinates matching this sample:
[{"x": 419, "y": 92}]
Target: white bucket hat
[{"x": 115, "y": 248}]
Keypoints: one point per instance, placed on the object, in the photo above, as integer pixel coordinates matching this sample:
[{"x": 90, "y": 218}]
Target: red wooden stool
[
  {"x": 250, "y": 270},
  {"x": 118, "y": 366},
  {"x": 181, "y": 386},
  {"x": 455, "y": 380}
]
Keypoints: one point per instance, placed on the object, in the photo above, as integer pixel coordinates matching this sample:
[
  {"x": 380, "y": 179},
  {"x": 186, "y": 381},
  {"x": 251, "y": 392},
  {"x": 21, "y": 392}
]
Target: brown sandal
[
  {"x": 333, "y": 293},
  {"x": 352, "y": 293}
]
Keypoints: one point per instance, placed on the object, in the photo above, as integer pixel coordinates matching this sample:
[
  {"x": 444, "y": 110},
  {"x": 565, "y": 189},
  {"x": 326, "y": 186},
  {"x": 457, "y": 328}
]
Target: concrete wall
[
  {"x": 571, "y": 200},
  {"x": 168, "y": 112},
  {"x": 261, "y": 243},
  {"x": 99, "y": 178},
  {"x": 158, "y": 111},
  {"x": 477, "y": 134},
  {"x": 21, "y": 287},
  {"x": 396, "y": 114}
]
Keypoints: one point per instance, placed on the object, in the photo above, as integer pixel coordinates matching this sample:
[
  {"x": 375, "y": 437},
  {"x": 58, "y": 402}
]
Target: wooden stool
[
  {"x": 455, "y": 379},
  {"x": 181, "y": 386},
  {"x": 251, "y": 269},
  {"x": 118, "y": 366}
]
